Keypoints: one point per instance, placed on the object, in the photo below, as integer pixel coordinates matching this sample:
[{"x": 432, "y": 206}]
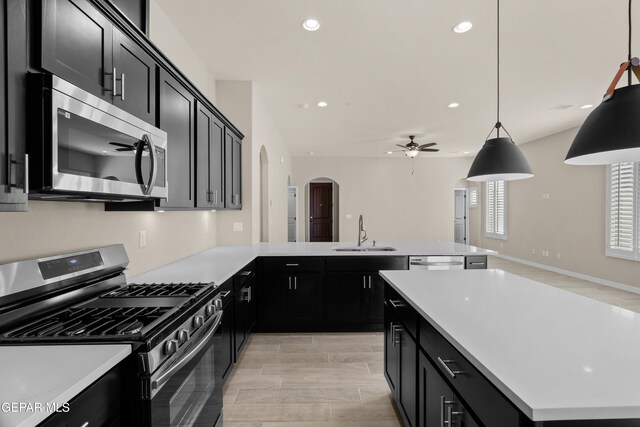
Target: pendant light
[
  {"x": 499, "y": 159},
  {"x": 611, "y": 133}
]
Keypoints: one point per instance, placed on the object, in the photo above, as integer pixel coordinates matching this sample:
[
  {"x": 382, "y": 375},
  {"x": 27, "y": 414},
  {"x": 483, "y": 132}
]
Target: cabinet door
[
  {"x": 76, "y": 45},
  {"x": 391, "y": 354},
  {"x": 346, "y": 297},
  {"x": 177, "y": 107},
  {"x": 136, "y": 78},
  {"x": 13, "y": 65},
  {"x": 304, "y": 302},
  {"x": 137, "y": 11},
  {"x": 274, "y": 293},
  {"x": 238, "y": 325},
  {"x": 406, "y": 392},
  {"x": 204, "y": 118},
  {"x": 376, "y": 298},
  {"x": 216, "y": 163},
  {"x": 224, "y": 349},
  {"x": 233, "y": 172}
]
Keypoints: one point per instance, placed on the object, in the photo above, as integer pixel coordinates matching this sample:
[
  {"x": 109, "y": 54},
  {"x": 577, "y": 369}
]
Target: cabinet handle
[
  {"x": 396, "y": 304},
  {"x": 122, "y": 86},
  {"x": 215, "y": 196},
  {"x": 115, "y": 88},
  {"x": 295, "y": 283},
  {"x": 292, "y": 265},
  {"x": 396, "y": 329},
  {"x": 364, "y": 282},
  {"x": 444, "y": 402},
  {"x": 289, "y": 282},
  {"x": 444, "y": 365},
  {"x": 86, "y": 424},
  {"x": 369, "y": 282},
  {"x": 25, "y": 164}
]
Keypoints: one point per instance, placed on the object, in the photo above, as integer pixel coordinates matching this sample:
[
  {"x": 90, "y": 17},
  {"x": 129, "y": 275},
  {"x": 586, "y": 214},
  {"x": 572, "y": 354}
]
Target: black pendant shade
[
  {"x": 499, "y": 159},
  {"x": 611, "y": 133}
]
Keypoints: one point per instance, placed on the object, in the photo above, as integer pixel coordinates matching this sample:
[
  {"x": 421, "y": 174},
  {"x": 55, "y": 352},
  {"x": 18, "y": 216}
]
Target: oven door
[
  {"x": 186, "y": 392},
  {"x": 99, "y": 149}
]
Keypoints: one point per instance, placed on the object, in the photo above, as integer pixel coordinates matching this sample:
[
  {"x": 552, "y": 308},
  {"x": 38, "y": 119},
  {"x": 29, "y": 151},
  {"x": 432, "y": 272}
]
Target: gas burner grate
[
  {"x": 157, "y": 290},
  {"x": 91, "y": 322}
]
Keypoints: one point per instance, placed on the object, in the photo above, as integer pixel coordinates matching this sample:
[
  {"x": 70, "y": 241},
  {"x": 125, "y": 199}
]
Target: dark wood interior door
[{"x": 321, "y": 217}]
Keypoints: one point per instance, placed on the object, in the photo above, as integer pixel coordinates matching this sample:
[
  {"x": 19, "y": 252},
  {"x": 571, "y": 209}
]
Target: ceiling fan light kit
[
  {"x": 611, "y": 132},
  {"x": 499, "y": 159}
]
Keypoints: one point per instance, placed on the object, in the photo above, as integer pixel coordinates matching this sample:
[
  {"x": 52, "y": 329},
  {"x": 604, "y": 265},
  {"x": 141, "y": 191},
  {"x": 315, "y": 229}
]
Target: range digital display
[{"x": 71, "y": 264}]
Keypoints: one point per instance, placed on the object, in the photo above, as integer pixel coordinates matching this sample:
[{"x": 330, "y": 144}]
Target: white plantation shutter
[
  {"x": 623, "y": 210},
  {"x": 495, "y": 224},
  {"x": 473, "y": 197}
]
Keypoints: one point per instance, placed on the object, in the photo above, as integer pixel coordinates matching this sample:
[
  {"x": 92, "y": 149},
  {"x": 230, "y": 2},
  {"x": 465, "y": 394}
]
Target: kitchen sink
[{"x": 364, "y": 249}]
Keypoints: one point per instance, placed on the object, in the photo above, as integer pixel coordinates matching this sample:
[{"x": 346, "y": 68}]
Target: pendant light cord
[
  {"x": 498, "y": 66},
  {"x": 629, "y": 53}
]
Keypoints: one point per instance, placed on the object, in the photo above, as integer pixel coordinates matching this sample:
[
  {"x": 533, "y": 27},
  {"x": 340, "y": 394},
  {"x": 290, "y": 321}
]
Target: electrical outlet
[
  {"x": 545, "y": 252},
  {"x": 533, "y": 251},
  {"x": 238, "y": 226},
  {"x": 349, "y": 216},
  {"x": 142, "y": 238},
  {"x": 501, "y": 245},
  {"x": 558, "y": 255}
]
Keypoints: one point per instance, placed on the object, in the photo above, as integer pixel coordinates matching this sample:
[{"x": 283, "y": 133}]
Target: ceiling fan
[{"x": 413, "y": 148}]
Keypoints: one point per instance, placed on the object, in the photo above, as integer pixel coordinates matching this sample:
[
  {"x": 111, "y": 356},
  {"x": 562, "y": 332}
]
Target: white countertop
[
  {"x": 49, "y": 374},
  {"x": 220, "y": 263},
  {"x": 555, "y": 354}
]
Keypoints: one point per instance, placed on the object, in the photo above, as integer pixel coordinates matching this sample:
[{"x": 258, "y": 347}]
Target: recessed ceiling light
[
  {"x": 585, "y": 106},
  {"x": 466, "y": 152},
  {"x": 311, "y": 153},
  {"x": 389, "y": 152},
  {"x": 462, "y": 27},
  {"x": 160, "y": 211},
  {"x": 322, "y": 104},
  {"x": 311, "y": 24},
  {"x": 453, "y": 105}
]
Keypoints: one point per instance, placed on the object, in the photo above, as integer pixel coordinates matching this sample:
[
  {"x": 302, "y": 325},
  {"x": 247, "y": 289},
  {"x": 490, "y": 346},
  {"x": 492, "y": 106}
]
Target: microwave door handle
[
  {"x": 154, "y": 164},
  {"x": 159, "y": 382}
]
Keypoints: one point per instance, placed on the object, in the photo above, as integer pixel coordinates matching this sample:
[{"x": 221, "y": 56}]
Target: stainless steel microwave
[{"x": 84, "y": 148}]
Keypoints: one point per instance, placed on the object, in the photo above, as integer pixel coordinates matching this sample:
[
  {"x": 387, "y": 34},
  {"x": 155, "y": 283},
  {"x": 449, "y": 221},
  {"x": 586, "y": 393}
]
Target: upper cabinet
[
  {"x": 177, "y": 109},
  {"x": 233, "y": 171},
  {"x": 13, "y": 66},
  {"x": 136, "y": 11},
  {"x": 210, "y": 159},
  {"x": 80, "y": 45}
]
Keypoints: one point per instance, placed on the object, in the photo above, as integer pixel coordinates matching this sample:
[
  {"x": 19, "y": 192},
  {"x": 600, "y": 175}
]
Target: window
[
  {"x": 623, "y": 210},
  {"x": 495, "y": 213},
  {"x": 473, "y": 197}
]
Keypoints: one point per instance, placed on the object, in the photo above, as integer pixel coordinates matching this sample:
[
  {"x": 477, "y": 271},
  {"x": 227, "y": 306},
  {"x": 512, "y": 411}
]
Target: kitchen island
[{"x": 492, "y": 348}]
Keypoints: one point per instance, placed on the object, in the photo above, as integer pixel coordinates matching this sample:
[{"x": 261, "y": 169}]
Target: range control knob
[
  {"x": 210, "y": 310},
  {"x": 198, "y": 321},
  {"x": 218, "y": 304},
  {"x": 170, "y": 347},
  {"x": 182, "y": 336}
]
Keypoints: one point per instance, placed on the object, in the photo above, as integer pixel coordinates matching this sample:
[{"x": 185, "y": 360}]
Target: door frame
[
  {"x": 335, "y": 189},
  {"x": 466, "y": 213},
  {"x": 295, "y": 227}
]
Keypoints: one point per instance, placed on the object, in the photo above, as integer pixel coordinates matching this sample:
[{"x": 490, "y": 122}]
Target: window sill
[
  {"x": 496, "y": 236},
  {"x": 621, "y": 255}
]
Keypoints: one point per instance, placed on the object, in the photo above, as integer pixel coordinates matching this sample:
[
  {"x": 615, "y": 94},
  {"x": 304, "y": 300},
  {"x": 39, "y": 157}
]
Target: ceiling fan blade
[
  {"x": 120, "y": 144},
  {"x": 431, "y": 144},
  {"x": 402, "y": 146},
  {"x": 430, "y": 150}
]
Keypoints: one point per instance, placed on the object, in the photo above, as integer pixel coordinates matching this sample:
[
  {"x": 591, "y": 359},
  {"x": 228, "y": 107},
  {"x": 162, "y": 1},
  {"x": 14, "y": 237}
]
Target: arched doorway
[
  {"x": 322, "y": 210},
  {"x": 264, "y": 195}
]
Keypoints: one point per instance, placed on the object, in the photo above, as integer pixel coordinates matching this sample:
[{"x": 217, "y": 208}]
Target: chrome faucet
[{"x": 361, "y": 228}]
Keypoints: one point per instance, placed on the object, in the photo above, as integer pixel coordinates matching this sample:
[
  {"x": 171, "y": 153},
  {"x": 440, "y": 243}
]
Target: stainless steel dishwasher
[{"x": 436, "y": 263}]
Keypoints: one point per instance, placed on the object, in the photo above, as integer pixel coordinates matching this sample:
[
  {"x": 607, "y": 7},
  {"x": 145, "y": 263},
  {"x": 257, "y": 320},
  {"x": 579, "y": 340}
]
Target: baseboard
[{"x": 596, "y": 280}]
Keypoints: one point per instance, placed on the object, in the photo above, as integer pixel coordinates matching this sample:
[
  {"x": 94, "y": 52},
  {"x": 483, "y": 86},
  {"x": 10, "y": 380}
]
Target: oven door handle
[
  {"x": 153, "y": 156},
  {"x": 162, "y": 379}
]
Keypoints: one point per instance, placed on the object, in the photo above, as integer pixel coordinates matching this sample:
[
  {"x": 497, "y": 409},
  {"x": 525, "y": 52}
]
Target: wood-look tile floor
[
  {"x": 310, "y": 380},
  {"x": 336, "y": 380}
]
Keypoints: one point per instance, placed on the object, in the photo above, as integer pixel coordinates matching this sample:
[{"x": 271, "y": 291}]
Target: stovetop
[{"x": 157, "y": 290}]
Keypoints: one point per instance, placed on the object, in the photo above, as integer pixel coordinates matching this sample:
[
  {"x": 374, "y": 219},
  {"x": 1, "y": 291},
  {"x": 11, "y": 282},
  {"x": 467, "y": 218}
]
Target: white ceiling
[{"x": 388, "y": 68}]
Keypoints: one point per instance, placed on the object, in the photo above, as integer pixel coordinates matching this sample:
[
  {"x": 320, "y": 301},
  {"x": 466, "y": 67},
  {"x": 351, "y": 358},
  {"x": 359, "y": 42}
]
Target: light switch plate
[{"x": 142, "y": 236}]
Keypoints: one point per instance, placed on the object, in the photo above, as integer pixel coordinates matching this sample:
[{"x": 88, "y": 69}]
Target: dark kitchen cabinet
[
  {"x": 355, "y": 289},
  {"x": 13, "y": 65},
  {"x": 224, "y": 344},
  {"x": 210, "y": 159},
  {"x": 77, "y": 45},
  {"x": 82, "y": 46},
  {"x": 177, "y": 108},
  {"x": 245, "y": 308},
  {"x": 136, "y": 71},
  {"x": 437, "y": 403},
  {"x": 293, "y": 300},
  {"x": 400, "y": 362},
  {"x": 136, "y": 11},
  {"x": 233, "y": 171}
]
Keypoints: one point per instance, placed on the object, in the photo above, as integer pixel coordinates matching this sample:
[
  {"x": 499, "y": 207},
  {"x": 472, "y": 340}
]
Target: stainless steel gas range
[{"x": 84, "y": 297}]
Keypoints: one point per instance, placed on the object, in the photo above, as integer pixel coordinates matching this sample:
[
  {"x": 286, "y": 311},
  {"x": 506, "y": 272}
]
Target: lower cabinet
[
  {"x": 224, "y": 344},
  {"x": 293, "y": 299},
  {"x": 245, "y": 313},
  {"x": 438, "y": 405},
  {"x": 355, "y": 298}
]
